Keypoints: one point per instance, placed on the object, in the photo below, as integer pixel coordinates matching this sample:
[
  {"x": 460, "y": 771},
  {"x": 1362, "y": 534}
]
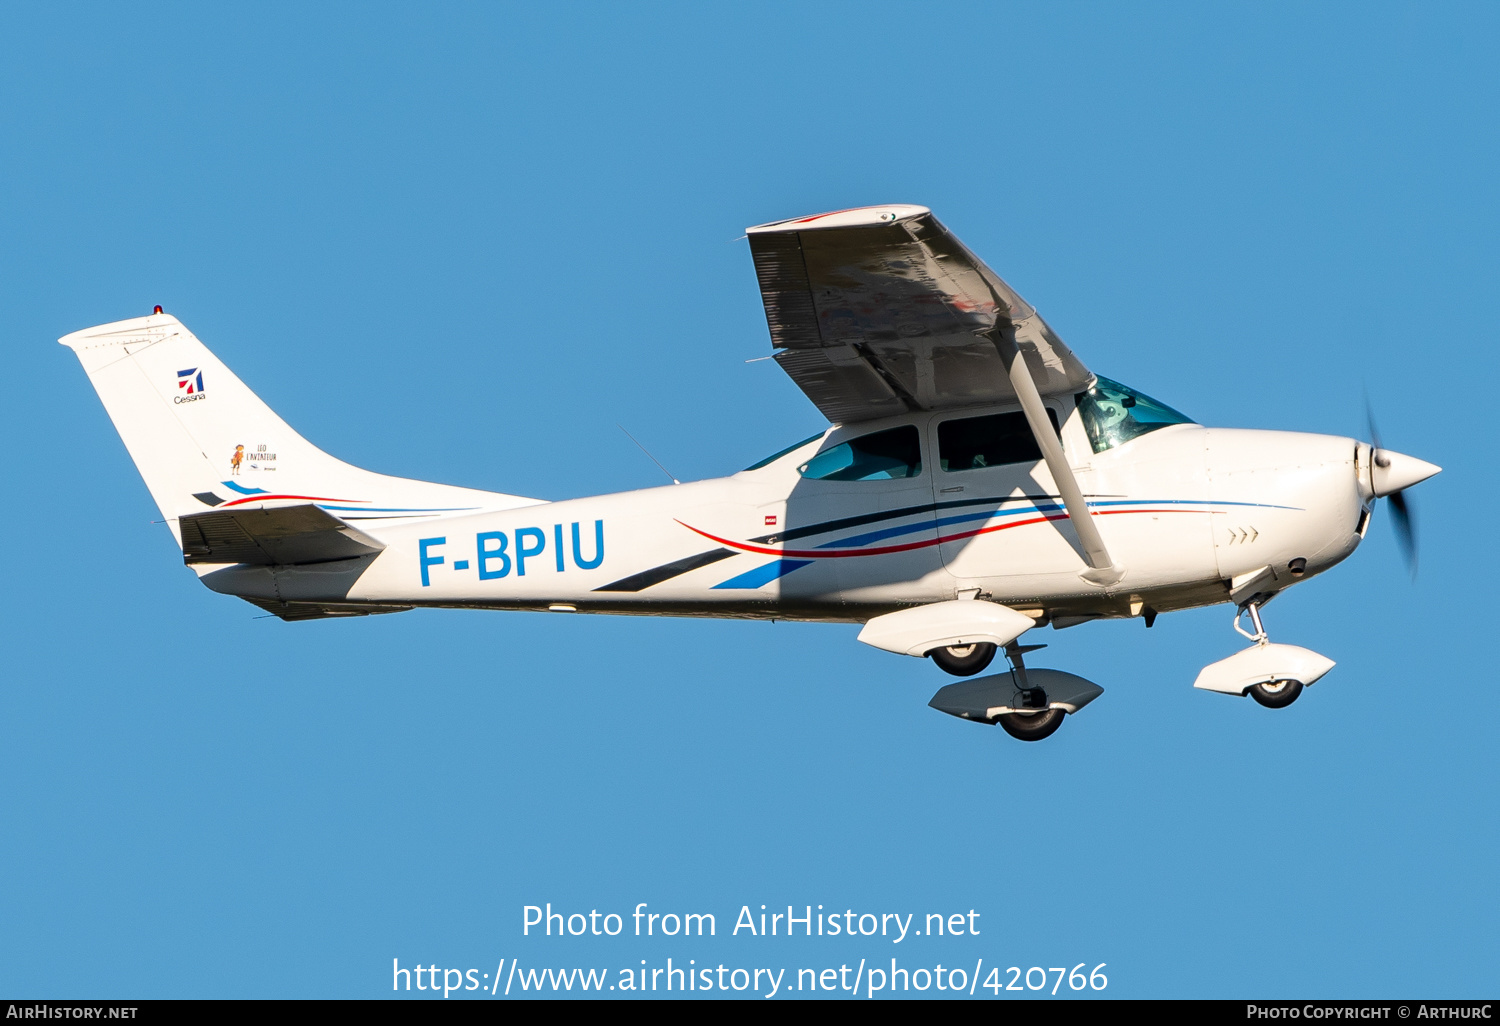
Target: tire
[
  {"x": 1031, "y": 727},
  {"x": 964, "y": 660},
  {"x": 1278, "y": 694}
]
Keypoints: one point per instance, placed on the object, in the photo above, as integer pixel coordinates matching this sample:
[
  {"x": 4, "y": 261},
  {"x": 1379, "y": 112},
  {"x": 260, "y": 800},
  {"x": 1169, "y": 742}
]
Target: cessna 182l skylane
[{"x": 978, "y": 481}]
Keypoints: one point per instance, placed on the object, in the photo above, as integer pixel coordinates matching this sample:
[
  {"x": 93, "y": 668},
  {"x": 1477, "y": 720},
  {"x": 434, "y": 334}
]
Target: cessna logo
[{"x": 189, "y": 385}]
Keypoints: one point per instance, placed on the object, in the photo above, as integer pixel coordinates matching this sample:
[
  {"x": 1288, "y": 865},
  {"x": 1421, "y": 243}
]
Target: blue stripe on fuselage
[
  {"x": 870, "y": 537},
  {"x": 764, "y": 574}
]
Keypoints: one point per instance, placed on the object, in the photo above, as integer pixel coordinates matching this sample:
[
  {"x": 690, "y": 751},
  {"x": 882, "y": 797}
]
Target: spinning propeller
[{"x": 1391, "y": 474}]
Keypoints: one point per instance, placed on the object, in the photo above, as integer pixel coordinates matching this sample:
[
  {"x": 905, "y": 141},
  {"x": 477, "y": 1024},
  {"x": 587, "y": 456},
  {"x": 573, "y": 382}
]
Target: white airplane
[{"x": 962, "y": 497}]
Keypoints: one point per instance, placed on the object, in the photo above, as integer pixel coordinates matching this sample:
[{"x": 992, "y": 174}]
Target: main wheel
[
  {"x": 964, "y": 660},
  {"x": 1278, "y": 694},
  {"x": 1032, "y": 726}
]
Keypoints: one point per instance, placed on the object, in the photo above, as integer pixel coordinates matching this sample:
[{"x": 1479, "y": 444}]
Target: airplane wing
[
  {"x": 881, "y": 310},
  {"x": 281, "y": 535}
]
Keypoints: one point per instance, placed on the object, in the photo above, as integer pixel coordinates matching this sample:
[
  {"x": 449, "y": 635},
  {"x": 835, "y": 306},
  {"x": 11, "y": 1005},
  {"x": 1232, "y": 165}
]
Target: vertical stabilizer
[{"x": 202, "y": 440}]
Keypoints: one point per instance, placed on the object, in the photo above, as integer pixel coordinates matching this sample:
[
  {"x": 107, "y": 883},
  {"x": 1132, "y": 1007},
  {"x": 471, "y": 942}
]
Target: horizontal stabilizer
[{"x": 280, "y": 536}]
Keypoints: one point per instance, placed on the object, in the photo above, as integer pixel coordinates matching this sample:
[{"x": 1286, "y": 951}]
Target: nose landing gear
[{"x": 1273, "y": 675}]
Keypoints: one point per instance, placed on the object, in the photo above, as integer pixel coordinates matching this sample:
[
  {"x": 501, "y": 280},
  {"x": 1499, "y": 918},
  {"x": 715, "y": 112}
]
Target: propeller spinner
[{"x": 1391, "y": 473}]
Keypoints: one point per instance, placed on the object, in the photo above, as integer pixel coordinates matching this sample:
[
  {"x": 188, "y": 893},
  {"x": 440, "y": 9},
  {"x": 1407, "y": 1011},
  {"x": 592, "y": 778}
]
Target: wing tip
[{"x": 853, "y": 217}]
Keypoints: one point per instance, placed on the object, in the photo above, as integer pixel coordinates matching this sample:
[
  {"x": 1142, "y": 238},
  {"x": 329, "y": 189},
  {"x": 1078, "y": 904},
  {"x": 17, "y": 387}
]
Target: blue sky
[{"x": 463, "y": 242}]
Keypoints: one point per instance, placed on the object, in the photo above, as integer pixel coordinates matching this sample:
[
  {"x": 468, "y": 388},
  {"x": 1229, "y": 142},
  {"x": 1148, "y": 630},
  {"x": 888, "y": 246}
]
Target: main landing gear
[
  {"x": 964, "y": 660},
  {"x": 1028, "y": 704},
  {"x": 1273, "y": 675},
  {"x": 1025, "y": 725}
]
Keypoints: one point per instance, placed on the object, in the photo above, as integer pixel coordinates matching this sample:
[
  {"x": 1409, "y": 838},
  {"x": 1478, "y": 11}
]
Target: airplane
[{"x": 976, "y": 482}]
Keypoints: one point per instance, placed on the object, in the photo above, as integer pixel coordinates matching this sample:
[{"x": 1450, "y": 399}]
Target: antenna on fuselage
[{"x": 647, "y": 451}]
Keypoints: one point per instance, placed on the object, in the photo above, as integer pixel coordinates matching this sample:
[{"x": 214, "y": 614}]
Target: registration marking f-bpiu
[{"x": 496, "y": 553}]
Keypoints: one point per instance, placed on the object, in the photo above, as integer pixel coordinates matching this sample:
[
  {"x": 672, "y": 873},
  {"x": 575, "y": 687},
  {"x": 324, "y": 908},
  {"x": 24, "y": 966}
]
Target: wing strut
[{"x": 1103, "y": 570}]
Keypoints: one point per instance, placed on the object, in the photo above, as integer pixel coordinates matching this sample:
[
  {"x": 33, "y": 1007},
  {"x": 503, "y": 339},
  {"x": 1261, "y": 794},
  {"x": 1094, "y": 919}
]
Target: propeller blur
[{"x": 1391, "y": 474}]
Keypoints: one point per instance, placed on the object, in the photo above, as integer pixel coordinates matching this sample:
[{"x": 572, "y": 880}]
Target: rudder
[{"x": 202, "y": 439}]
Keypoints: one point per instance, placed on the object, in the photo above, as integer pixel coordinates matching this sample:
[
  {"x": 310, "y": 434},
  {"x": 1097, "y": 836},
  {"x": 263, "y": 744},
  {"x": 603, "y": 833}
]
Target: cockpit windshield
[{"x": 1113, "y": 414}]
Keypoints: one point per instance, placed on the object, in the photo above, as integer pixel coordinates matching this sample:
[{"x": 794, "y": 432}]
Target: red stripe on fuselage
[{"x": 884, "y": 550}]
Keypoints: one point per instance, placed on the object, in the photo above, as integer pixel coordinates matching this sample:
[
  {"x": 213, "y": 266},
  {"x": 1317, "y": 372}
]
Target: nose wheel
[{"x": 1277, "y": 694}]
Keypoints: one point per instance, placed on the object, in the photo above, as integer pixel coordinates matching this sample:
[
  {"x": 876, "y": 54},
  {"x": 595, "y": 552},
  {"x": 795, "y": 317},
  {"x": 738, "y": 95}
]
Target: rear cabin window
[
  {"x": 784, "y": 452},
  {"x": 881, "y": 456},
  {"x": 970, "y": 443}
]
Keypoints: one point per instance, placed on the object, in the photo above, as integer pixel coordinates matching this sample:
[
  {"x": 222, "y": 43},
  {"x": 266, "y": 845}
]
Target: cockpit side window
[
  {"x": 970, "y": 443},
  {"x": 1113, "y": 414},
  {"x": 881, "y": 456}
]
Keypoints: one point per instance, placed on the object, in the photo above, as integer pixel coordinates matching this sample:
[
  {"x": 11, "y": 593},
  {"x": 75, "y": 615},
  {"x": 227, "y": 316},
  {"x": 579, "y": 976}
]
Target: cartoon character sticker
[{"x": 236, "y": 460}]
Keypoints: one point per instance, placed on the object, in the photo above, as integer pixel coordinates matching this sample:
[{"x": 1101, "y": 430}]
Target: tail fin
[{"x": 202, "y": 440}]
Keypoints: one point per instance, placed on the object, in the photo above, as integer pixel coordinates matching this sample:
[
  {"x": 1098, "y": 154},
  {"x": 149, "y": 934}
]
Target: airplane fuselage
[{"x": 1185, "y": 510}]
